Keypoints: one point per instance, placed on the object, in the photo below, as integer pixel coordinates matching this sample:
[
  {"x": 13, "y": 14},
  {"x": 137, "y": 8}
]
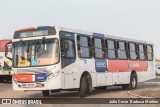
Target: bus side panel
[
  {"x": 117, "y": 65},
  {"x": 143, "y": 76},
  {"x": 151, "y": 66},
  {"x": 147, "y": 75},
  {"x": 118, "y": 78},
  {"x": 143, "y": 65},
  {"x": 126, "y": 77},
  {"x": 76, "y": 80},
  {"x": 71, "y": 76},
  {"x": 68, "y": 76},
  {"x": 109, "y": 78},
  {"x": 101, "y": 79},
  {"x": 68, "y": 81}
]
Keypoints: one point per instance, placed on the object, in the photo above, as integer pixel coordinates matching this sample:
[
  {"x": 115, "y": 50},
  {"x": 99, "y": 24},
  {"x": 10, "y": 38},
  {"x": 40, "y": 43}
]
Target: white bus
[
  {"x": 53, "y": 59},
  {"x": 5, "y": 64}
]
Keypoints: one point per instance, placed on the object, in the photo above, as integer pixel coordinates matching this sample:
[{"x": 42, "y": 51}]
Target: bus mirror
[
  {"x": 66, "y": 45},
  {"x": 8, "y": 48}
]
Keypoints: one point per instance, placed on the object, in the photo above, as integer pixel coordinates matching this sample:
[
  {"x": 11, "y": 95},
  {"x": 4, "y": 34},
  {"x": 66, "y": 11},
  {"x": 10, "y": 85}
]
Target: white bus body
[{"x": 74, "y": 67}]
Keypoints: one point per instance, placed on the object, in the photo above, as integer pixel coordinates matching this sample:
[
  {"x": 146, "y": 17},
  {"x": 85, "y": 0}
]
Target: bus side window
[
  {"x": 67, "y": 48},
  {"x": 84, "y": 46},
  {"x": 99, "y": 48},
  {"x": 141, "y": 48},
  {"x": 122, "y": 50},
  {"x": 132, "y": 51},
  {"x": 149, "y": 52},
  {"x": 111, "y": 49}
]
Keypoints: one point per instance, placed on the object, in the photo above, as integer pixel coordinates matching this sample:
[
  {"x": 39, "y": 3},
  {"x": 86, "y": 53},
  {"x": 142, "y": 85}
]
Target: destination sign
[{"x": 35, "y": 32}]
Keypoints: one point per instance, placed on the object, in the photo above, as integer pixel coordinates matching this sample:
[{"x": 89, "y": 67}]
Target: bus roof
[{"x": 79, "y": 31}]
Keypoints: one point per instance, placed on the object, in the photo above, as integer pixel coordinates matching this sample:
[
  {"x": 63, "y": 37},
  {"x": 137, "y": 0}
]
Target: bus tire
[
  {"x": 133, "y": 83},
  {"x": 83, "y": 87},
  {"x": 45, "y": 92}
]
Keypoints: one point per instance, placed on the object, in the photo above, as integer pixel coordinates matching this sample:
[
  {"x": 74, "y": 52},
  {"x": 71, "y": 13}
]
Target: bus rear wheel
[
  {"x": 133, "y": 83},
  {"x": 45, "y": 92}
]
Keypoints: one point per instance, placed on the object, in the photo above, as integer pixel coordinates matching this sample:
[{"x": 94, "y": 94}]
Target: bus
[
  {"x": 52, "y": 59},
  {"x": 5, "y": 64}
]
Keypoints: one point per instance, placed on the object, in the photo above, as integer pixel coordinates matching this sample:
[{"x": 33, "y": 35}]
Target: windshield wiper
[
  {"x": 43, "y": 43},
  {"x": 24, "y": 45},
  {"x": 22, "y": 42}
]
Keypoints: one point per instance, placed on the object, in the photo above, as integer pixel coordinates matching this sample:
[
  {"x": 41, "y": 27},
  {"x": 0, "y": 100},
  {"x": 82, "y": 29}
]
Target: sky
[{"x": 135, "y": 19}]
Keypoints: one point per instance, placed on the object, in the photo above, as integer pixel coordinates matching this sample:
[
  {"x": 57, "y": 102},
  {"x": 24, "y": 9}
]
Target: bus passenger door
[{"x": 68, "y": 57}]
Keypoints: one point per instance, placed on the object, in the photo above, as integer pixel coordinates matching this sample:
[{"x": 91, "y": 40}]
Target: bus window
[
  {"x": 68, "y": 51},
  {"x": 30, "y": 53},
  {"x": 132, "y": 51},
  {"x": 141, "y": 52},
  {"x": 111, "y": 49},
  {"x": 122, "y": 50},
  {"x": 84, "y": 46},
  {"x": 149, "y": 53},
  {"x": 99, "y": 51}
]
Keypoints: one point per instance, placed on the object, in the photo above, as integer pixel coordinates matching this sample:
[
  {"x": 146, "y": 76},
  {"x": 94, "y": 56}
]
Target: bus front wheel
[
  {"x": 83, "y": 87},
  {"x": 45, "y": 92}
]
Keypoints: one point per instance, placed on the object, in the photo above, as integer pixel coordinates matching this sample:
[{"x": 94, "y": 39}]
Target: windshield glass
[{"x": 35, "y": 53}]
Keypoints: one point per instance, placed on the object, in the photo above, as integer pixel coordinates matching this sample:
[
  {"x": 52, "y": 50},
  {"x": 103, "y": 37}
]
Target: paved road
[{"x": 111, "y": 92}]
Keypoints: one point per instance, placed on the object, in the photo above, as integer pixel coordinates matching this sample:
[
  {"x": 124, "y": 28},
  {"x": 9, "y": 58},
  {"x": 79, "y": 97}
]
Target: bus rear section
[{"x": 5, "y": 63}]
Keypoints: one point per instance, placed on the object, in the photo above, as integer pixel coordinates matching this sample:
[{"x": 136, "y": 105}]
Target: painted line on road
[
  {"x": 152, "y": 83},
  {"x": 136, "y": 95}
]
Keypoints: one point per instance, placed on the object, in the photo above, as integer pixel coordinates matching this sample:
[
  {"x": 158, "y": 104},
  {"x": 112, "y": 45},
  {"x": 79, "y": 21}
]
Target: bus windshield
[{"x": 35, "y": 53}]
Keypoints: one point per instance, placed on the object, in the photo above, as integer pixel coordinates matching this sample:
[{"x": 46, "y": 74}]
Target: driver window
[{"x": 68, "y": 51}]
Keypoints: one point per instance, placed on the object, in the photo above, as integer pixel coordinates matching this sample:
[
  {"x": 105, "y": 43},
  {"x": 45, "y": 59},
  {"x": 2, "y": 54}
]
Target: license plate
[{"x": 28, "y": 85}]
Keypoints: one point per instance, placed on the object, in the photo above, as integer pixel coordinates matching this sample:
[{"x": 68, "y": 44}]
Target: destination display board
[{"x": 35, "y": 32}]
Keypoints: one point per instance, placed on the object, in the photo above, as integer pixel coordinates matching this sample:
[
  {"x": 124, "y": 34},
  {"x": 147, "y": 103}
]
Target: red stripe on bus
[
  {"x": 126, "y": 65},
  {"x": 23, "y": 78}
]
